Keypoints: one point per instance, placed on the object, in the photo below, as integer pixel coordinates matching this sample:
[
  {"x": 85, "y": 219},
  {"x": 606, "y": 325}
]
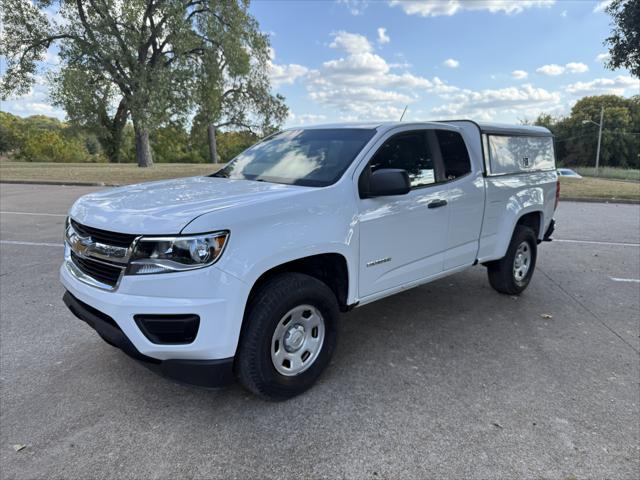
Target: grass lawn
[
  {"x": 589, "y": 187},
  {"x": 107, "y": 174},
  {"x": 610, "y": 172}
]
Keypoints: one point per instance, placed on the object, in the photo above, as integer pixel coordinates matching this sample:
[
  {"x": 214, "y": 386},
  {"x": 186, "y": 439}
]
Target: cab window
[
  {"x": 409, "y": 151},
  {"x": 455, "y": 156}
]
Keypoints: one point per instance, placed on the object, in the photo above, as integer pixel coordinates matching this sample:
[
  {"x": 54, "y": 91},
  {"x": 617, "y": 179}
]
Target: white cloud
[
  {"x": 525, "y": 100},
  {"x": 306, "y": 118},
  {"x": 451, "y": 63},
  {"x": 564, "y": 14},
  {"x": 616, "y": 86},
  {"x": 434, "y": 8},
  {"x": 360, "y": 84},
  {"x": 551, "y": 69},
  {"x": 352, "y": 43},
  {"x": 35, "y": 102},
  {"x": 602, "y": 5},
  {"x": 555, "y": 70},
  {"x": 576, "y": 67},
  {"x": 441, "y": 87},
  {"x": 382, "y": 36},
  {"x": 284, "y": 74},
  {"x": 603, "y": 57},
  {"x": 519, "y": 74},
  {"x": 356, "y": 7}
]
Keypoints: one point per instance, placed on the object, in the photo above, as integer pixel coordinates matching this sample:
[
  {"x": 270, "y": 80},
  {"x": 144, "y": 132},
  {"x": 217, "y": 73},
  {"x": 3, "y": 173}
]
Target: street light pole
[
  {"x": 584, "y": 122},
  {"x": 599, "y": 139}
]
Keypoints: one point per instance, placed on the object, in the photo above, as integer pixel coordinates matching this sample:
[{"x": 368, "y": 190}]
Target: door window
[{"x": 408, "y": 151}]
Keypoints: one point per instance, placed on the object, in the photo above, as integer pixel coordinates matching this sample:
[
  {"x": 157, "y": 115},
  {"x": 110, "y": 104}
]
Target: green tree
[
  {"x": 624, "y": 42},
  {"x": 233, "y": 143},
  {"x": 171, "y": 143},
  {"x": 151, "y": 52},
  {"x": 233, "y": 88},
  {"x": 576, "y": 136},
  {"x": 11, "y": 136},
  {"x": 52, "y": 146},
  {"x": 92, "y": 102}
]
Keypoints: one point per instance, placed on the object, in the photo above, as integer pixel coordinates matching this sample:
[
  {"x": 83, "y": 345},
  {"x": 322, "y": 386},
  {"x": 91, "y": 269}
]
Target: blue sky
[{"x": 499, "y": 60}]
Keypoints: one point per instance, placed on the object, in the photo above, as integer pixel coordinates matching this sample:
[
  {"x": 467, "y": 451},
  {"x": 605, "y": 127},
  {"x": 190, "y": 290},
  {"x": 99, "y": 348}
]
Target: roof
[
  {"x": 505, "y": 129},
  {"x": 489, "y": 128}
]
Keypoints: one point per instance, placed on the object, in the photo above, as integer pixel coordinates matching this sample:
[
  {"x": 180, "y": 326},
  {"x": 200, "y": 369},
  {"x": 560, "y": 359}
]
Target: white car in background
[{"x": 567, "y": 172}]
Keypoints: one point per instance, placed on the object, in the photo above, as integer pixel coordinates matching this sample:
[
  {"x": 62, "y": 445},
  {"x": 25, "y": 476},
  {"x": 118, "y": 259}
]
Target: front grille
[
  {"x": 100, "y": 271},
  {"x": 103, "y": 236}
]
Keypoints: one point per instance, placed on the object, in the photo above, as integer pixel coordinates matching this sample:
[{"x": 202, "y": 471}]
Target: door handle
[{"x": 437, "y": 203}]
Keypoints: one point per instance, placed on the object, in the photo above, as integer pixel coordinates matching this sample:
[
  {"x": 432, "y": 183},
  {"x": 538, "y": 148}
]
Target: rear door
[{"x": 403, "y": 237}]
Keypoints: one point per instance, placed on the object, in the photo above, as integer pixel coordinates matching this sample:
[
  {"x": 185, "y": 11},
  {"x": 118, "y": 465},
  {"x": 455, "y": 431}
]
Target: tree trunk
[
  {"x": 213, "y": 147},
  {"x": 119, "y": 122},
  {"x": 143, "y": 149},
  {"x": 111, "y": 133}
]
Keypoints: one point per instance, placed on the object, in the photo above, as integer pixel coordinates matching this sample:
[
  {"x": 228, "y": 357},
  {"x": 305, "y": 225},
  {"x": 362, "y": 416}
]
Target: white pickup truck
[{"x": 243, "y": 274}]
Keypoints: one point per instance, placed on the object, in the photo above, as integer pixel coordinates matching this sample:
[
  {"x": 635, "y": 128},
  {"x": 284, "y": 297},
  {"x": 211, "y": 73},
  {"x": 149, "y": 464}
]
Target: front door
[{"x": 403, "y": 237}]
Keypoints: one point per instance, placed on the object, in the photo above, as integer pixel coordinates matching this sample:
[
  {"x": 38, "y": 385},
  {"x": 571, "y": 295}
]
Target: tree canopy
[
  {"x": 44, "y": 139},
  {"x": 155, "y": 61},
  {"x": 624, "y": 42},
  {"x": 576, "y": 136}
]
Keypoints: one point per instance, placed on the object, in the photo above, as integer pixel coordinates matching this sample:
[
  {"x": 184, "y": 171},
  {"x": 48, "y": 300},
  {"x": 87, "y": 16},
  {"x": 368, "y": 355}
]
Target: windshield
[{"x": 314, "y": 157}]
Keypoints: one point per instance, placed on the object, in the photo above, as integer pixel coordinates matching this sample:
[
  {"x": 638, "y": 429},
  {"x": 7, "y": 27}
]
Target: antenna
[{"x": 403, "y": 112}]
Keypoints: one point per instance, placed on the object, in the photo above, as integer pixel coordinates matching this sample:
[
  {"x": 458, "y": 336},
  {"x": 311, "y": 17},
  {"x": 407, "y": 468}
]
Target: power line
[
  {"x": 574, "y": 137},
  {"x": 615, "y": 132}
]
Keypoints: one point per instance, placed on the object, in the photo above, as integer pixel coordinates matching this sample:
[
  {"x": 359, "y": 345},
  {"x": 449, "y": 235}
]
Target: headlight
[{"x": 175, "y": 254}]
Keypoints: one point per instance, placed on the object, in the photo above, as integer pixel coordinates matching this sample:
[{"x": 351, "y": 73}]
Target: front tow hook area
[{"x": 202, "y": 373}]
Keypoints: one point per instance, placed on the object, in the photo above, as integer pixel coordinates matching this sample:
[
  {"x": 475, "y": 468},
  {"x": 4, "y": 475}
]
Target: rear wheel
[
  {"x": 512, "y": 273},
  {"x": 289, "y": 335}
]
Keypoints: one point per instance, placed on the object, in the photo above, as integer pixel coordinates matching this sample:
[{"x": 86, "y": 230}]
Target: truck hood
[{"x": 166, "y": 207}]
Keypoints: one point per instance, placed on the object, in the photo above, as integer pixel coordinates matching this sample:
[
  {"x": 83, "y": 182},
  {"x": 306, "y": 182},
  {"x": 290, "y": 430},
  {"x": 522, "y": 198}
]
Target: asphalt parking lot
[{"x": 449, "y": 380}]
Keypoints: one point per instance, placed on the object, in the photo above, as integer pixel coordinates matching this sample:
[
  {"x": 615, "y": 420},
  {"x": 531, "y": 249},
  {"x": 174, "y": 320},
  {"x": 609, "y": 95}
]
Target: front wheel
[
  {"x": 289, "y": 335},
  {"x": 512, "y": 273}
]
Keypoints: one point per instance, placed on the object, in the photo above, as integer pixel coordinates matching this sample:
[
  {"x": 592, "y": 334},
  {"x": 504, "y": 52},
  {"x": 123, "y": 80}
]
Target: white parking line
[
  {"x": 36, "y": 214},
  {"x": 592, "y": 242},
  {"x": 630, "y": 280},
  {"x": 32, "y": 244}
]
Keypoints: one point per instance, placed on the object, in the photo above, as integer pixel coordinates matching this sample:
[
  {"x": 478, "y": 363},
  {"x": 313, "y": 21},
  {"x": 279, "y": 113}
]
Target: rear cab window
[{"x": 455, "y": 156}]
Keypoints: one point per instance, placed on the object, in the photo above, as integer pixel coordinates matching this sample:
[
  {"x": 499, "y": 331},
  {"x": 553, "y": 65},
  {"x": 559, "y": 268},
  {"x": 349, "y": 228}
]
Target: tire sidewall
[
  {"x": 522, "y": 234},
  {"x": 265, "y": 320}
]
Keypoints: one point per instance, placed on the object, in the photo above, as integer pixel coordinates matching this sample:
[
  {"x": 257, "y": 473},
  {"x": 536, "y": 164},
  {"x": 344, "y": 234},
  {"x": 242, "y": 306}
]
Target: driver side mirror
[{"x": 386, "y": 182}]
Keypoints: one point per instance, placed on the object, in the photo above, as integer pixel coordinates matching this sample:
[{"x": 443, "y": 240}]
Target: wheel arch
[
  {"x": 330, "y": 268},
  {"x": 534, "y": 220}
]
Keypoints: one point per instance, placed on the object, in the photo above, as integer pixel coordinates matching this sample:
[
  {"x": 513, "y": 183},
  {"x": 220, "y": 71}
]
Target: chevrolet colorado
[{"x": 243, "y": 273}]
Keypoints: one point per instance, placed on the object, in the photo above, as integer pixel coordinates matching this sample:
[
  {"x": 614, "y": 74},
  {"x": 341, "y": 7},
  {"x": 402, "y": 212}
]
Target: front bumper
[
  {"x": 203, "y": 373},
  {"x": 216, "y": 297}
]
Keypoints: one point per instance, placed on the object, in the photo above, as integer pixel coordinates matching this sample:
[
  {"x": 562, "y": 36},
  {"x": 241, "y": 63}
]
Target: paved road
[{"x": 447, "y": 380}]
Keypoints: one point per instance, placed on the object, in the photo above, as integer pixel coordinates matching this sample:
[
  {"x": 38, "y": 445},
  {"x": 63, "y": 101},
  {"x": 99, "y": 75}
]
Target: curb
[
  {"x": 624, "y": 201},
  {"x": 68, "y": 184}
]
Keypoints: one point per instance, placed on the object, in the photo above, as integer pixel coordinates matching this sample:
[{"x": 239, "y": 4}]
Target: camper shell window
[{"x": 519, "y": 153}]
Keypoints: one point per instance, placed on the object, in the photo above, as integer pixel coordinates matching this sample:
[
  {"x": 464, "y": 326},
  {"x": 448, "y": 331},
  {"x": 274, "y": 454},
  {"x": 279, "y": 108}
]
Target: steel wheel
[
  {"x": 297, "y": 340},
  {"x": 522, "y": 262}
]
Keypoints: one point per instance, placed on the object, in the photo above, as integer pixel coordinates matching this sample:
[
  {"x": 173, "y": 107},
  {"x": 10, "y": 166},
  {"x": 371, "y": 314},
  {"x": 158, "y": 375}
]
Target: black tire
[
  {"x": 267, "y": 307},
  {"x": 501, "y": 272}
]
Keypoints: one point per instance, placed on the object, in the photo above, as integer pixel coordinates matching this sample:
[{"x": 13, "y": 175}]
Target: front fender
[{"x": 272, "y": 233}]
